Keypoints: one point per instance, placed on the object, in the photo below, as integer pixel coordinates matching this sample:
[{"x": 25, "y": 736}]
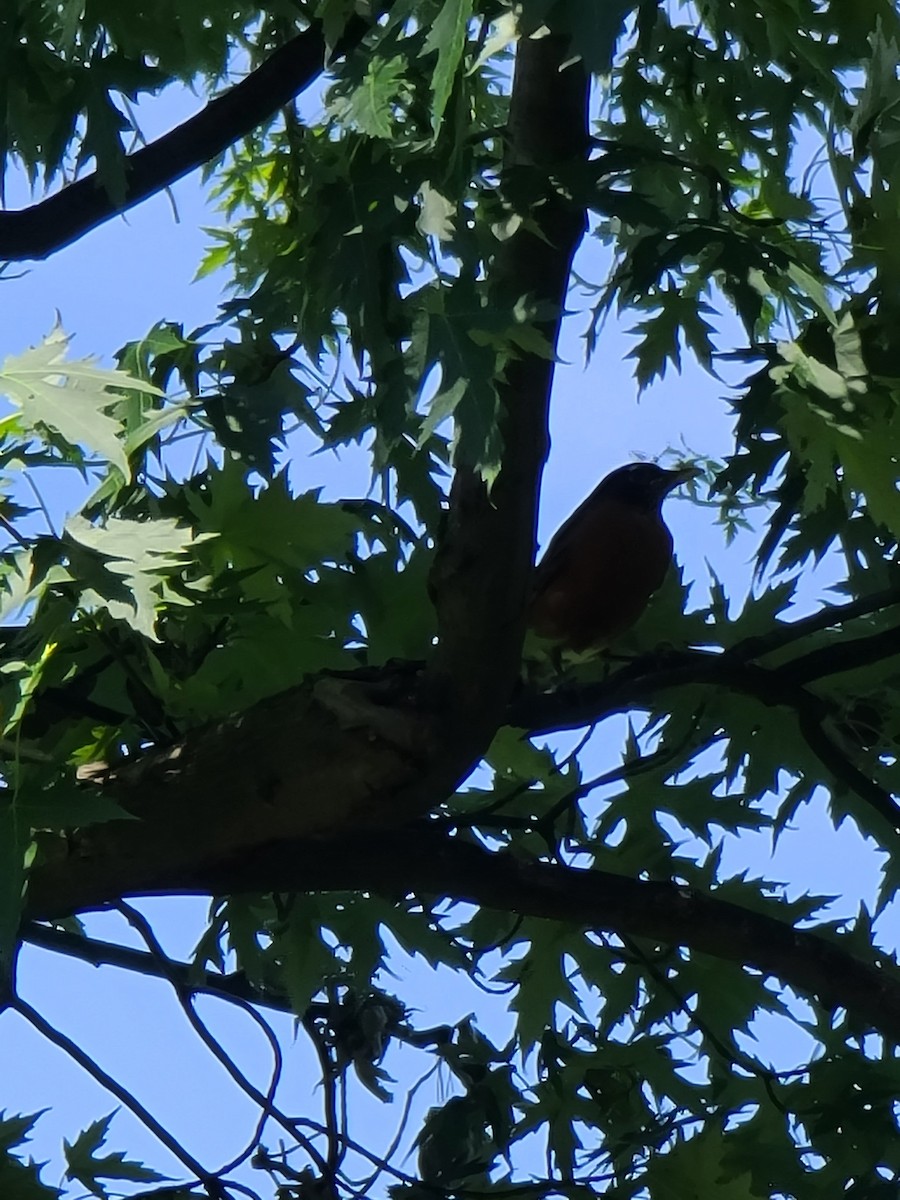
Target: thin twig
[
  {"x": 96, "y": 1072},
  {"x": 14, "y": 533},
  {"x": 365, "y": 1186},
  {"x": 266, "y": 1102},
  {"x": 329, "y": 1103},
  {"x": 357, "y": 1148},
  {"x": 41, "y": 503}
]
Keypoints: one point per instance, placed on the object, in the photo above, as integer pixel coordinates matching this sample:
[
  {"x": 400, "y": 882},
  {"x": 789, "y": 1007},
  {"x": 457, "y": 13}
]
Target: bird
[{"x": 604, "y": 563}]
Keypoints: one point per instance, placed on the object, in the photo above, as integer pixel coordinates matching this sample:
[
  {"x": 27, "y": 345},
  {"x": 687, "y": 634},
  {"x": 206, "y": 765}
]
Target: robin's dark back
[{"x": 606, "y": 561}]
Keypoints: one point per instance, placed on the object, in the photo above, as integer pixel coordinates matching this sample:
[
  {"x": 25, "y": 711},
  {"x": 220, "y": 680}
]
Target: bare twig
[
  {"x": 329, "y": 1084},
  {"x": 265, "y": 1100},
  {"x": 74, "y": 1051}
]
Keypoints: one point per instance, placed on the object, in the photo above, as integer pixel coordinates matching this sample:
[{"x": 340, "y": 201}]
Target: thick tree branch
[
  {"x": 343, "y": 754},
  {"x": 328, "y": 756},
  {"x": 438, "y": 866},
  {"x": 423, "y": 860},
  {"x": 485, "y": 555},
  {"x": 42, "y": 228}
]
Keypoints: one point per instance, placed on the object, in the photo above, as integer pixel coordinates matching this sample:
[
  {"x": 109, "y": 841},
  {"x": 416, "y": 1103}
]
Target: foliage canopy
[{"x": 214, "y": 682}]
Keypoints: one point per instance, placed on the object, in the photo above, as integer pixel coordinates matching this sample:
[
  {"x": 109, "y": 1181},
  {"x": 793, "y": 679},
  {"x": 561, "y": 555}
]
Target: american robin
[{"x": 605, "y": 562}]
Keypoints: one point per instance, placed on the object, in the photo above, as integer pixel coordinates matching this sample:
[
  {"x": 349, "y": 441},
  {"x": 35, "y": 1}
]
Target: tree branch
[
  {"x": 42, "y": 228},
  {"x": 314, "y": 761},
  {"x": 422, "y": 860},
  {"x": 847, "y": 655},
  {"x": 234, "y": 987},
  {"x": 338, "y": 755},
  {"x": 121, "y": 1093},
  {"x": 829, "y": 617},
  {"x": 641, "y": 682},
  {"x": 484, "y": 559}
]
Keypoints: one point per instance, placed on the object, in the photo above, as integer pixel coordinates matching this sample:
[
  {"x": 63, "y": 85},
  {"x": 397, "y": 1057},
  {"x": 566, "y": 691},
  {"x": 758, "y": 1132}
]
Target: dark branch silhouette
[
  {"x": 233, "y": 987},
  {"x": 422, "y": 860},
  {"x": 829, "y": 617},
  {"x": 68, "y": 1046},
  {"x": 641, "y": 682},
  {"x": 43, "y": 228},
  {"x": 433, "y": 864}
]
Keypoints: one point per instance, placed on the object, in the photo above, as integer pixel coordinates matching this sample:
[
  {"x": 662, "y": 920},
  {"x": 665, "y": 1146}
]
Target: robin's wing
[
  {"x": 598, "y": 573},
  {"x": 556, "y": 559}
]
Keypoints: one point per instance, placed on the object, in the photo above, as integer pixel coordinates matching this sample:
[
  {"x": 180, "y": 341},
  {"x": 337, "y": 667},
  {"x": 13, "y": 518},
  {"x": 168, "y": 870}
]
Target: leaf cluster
[{"x": 194, "y": 573}]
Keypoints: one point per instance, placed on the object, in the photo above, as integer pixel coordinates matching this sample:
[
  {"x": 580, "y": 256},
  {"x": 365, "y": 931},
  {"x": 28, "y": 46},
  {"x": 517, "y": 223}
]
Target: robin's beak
[{"x": 678, "y": 476}]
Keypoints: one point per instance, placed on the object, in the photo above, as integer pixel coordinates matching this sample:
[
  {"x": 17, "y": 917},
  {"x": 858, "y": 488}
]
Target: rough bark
[{"x": 313, "y": 762}]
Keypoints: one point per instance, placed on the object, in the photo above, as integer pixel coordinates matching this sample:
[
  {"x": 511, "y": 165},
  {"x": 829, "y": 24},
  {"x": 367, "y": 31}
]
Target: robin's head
[{"x": 643, "y": 485}]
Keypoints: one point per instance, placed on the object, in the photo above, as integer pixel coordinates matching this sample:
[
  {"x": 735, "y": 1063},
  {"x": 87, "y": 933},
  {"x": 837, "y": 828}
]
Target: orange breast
[{"x": 598, "y": 574}]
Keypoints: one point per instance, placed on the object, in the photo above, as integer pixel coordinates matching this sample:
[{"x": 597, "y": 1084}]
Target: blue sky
[{"x": 111, "y": 287}]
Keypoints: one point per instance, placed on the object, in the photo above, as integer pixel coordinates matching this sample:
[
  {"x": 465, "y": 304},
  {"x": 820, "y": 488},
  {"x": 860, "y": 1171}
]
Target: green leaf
[
  {"x": 142, "y": 554},
  {"x": 334, "y": 15},
  {"x": 85, "y": 1166},
  {"x": 370, "y": 107},
  {"x": 812, "y": 287},
  {"x": 65, "y": 805},
  {"x": 541, "y": 980},
  {"x": 437, "y": 217},
  {"x": 695, "y": 1169},
  {"x": 21, "y": 1180},
  {"x": 307, "y": 961},
  {"x": 102, "y": 137},
  {"x": 447, "y": 36},
  {"x": 67, "y": 398},
  {"x": 809, "y": 371}
]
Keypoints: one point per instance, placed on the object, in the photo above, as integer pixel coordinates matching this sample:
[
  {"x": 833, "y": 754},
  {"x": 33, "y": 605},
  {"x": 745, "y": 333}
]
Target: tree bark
[{"x": 425, "y": 860}]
